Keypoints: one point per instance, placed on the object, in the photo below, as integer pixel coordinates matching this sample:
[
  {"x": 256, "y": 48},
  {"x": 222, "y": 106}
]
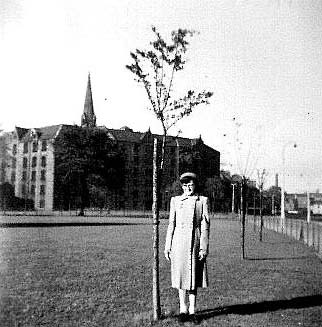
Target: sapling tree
[
  {"x": 156, "y": 70},
  {"x": 261, "y": 176},
  {"x": 247, "y": 154}
]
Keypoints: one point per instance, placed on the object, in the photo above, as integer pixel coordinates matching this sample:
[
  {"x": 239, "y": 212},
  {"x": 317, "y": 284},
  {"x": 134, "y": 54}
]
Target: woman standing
[{"x": 186, "y": 245}]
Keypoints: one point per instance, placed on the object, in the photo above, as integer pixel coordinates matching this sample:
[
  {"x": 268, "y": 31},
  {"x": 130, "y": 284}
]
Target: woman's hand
[
  {"x": 167, "y": 254},
  {"x": 202, "y": 255}
]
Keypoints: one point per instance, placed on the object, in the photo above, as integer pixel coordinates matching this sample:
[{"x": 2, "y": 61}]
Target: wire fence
[{"x": 300, "y": 230}]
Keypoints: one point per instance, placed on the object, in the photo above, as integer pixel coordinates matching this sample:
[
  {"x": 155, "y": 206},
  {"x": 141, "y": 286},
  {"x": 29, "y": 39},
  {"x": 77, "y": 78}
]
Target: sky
[{"x": 261, "y": 59}]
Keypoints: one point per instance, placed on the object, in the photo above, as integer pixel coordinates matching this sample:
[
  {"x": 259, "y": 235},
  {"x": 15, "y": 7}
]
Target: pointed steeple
[{"x": 88, "y": 116}]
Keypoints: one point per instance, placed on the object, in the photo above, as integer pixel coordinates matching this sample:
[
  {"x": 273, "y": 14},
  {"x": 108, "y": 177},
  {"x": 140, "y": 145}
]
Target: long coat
[{"x": 188, "y": 232}]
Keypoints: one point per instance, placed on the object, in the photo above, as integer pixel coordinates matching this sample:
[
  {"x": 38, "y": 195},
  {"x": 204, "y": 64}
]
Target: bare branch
[{"x": 157, "y": 66}]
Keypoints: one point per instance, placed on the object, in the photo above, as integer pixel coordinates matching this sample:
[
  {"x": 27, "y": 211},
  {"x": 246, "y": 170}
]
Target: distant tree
[
  {"x": 8, "y": 200},
  {"x": 156, "y": 69},
  {"x": 86, "y": 161},
  {"x": 5, "y": 157},
  {"x": 214, "y": 190}
]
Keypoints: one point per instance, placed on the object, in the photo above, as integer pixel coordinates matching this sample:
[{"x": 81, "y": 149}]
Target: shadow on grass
[
  {"x": 73, "y": 224},
  {"x": 277, "y": 258},
  {"x": 292, "y": 241},
  {"x": 262, "y": 307}
]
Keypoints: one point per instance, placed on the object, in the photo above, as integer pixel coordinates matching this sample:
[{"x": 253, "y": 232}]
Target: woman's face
[{"x": 188, "y": 188}]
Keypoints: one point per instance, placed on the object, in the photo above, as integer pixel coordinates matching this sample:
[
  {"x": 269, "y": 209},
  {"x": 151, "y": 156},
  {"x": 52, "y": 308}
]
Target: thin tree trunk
[
  {"x": 261, "y": 214},
  {"x": 82, "y": 196},
  {"x": 254, "y": 211},
  {"x": 155, "y": 209},
  {"x": 243, "y": 215}
]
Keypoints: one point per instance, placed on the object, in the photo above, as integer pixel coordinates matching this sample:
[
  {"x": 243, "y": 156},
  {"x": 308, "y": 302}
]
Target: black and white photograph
[{"x": 161, "y": 163}]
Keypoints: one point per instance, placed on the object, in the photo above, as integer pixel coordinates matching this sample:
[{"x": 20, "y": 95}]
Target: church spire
[{"x": 88, "y": 116}]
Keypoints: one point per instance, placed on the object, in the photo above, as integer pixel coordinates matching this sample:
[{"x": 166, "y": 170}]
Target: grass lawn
[{"x": 98, "y": 273}]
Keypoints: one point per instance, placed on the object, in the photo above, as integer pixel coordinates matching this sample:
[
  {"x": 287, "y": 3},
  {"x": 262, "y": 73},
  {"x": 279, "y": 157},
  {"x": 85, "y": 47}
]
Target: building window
[
  {"x": 43, "y": 175},
  {"x": 14, "y": 149},
  {"x": 25, "y": 147},
  {"x": 136, "y": 148},
  {"x": 44, "y": 145},
  {"x": 34, "y": 162},
  {"x": 34, "y": 146},
  {"x": 25, "y": 162},
  {"x": 33, "y": 175},
  {"x": 42, "y": 189},
  {"x": 24, "y": 175},
  {"x": 43, "y": 161},
  {"x": 32, "y": 190},
  {"x": 42, "y": 203},
  {"x": 23, "y": 189},
  {"x": 14, "y": 163}
]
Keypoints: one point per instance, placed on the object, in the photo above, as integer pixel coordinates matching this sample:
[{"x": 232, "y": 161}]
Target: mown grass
[{"x": 100, "y": 275}]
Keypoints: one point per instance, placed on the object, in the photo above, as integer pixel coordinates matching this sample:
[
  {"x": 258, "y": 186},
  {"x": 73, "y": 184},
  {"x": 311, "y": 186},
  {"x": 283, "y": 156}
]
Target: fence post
[
  {"x": 319, "y": 239},
  {"x": 297, "y": 237},
  {"x": 273, "y": 220}
]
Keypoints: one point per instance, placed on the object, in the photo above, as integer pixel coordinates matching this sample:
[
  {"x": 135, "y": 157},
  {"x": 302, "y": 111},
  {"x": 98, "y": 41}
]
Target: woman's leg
[
  {"x": 192, "y": 301},
  {"x": 182, "y": 299}
]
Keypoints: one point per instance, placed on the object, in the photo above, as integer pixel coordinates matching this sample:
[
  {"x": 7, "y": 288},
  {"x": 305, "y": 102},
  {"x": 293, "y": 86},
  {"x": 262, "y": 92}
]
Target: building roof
[
  {"x": 21, "y": 131},
  {"x": 44, "y": 133},
  {"x": 88, "y": 117},
  {"x": 48, "y": 132},
  {"x": 126, "y": 134},
  {"x": 88, "y": 105}
]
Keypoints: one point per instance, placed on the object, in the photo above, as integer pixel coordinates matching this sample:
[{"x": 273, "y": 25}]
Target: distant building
[
  {"x": 316, "y": 207},
  {"x": 298, "y": 202},
  {"x": 27, "y": 161}
]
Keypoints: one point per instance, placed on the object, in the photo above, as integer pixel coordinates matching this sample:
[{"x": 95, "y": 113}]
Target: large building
[{"x": 28, "y": 161}]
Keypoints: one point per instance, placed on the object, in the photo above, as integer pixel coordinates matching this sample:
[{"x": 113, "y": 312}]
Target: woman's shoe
[
  {"x": 193, "y": 318},
  {"x": 183, "y": 317}
]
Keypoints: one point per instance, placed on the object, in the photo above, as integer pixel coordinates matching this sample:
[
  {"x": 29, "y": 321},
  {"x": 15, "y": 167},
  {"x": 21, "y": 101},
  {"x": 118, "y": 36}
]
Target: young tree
[
  {"x": 247, "y": 151},
  {"x": 261, "y": 175},
  {"x": 156, "y": 69}
]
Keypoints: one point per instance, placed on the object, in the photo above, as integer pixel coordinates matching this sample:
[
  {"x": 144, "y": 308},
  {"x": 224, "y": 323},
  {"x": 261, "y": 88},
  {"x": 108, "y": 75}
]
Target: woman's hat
[{"x": 188, "y": 175}]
